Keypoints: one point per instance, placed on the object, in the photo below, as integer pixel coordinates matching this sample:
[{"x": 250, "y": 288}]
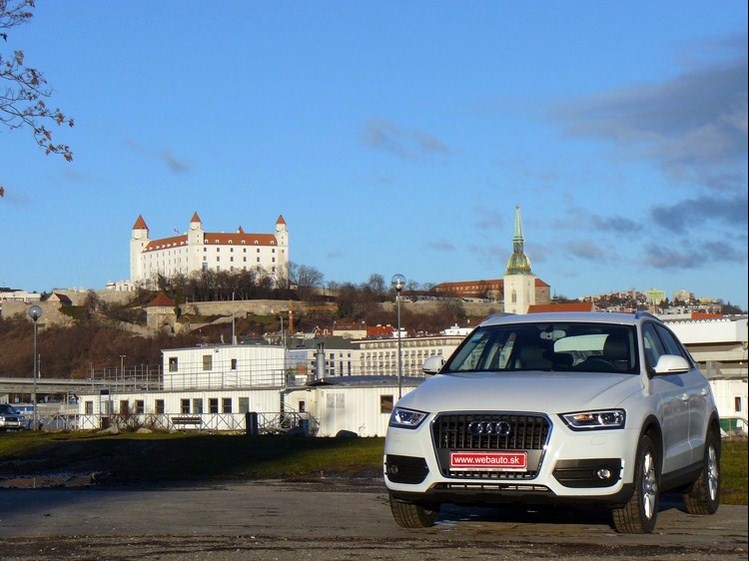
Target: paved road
[{"x": 329, "y": 520}]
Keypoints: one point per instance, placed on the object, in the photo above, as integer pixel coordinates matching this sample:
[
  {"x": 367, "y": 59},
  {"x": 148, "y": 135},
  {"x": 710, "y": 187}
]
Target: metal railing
[{"x": 267, "y": 423}]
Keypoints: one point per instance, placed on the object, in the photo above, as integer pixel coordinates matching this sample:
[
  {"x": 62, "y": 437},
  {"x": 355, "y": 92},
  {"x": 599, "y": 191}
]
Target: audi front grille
[{"x": 453, "y": 432}]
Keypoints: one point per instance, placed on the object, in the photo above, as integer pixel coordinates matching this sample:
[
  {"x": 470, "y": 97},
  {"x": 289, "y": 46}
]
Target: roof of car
[{"x": 581, "y": 317}]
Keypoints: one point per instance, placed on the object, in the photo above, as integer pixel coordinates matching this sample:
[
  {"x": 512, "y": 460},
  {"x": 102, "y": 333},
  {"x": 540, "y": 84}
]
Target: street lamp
[
  {"x": 122, "y": 368},
  {"x": 35, "y": 312},
  {"x": 398, "y": 282}
]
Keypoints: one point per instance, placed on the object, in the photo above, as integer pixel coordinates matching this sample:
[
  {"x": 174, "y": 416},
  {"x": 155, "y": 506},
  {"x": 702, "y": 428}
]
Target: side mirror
[
  {"x": 671, "y": 364},
  {"x": 433, "y": 364}
]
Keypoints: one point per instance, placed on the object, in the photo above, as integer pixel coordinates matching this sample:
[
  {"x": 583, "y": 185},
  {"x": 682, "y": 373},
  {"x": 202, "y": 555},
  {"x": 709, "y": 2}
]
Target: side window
[
  {"x": 652, "y": 345},
  {"x": 672, "y": 347}
]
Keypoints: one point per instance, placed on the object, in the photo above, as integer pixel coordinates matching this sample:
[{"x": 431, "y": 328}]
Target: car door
[
  {"x": 697, "y": 389},
  {"x": 672, "y": 403}
]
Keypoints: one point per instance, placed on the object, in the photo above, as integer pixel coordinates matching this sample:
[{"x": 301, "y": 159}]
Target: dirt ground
[{"x": 330, "y": 520}]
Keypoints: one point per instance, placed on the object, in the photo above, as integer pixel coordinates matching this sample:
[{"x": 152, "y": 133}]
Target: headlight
[
  {"x": 595, "y": 420},
  {"x": 406, "y": 418}
]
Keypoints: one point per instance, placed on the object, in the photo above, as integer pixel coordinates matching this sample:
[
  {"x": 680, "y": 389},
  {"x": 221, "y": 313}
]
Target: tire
[
  {"x": 703, "y": 496},
  {"x": 639, "y": 514},
  {"x": 410, "y": 515}
]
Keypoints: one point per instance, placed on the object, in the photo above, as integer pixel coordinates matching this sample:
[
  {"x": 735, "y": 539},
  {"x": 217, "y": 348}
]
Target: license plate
[{"x": 490, "y": 461}]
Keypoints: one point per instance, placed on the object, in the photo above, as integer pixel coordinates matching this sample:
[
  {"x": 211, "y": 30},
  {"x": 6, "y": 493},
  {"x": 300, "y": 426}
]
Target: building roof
[
  {"x": 160, "y": 300},
  {"x": 210, "y": 238},
  {"x": 518, "y": 263},
  {"x": 140, "y": 224},
  {"x": 281, "y": 220}
]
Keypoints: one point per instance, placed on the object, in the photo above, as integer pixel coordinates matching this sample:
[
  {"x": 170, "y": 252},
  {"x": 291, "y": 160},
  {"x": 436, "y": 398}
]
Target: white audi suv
[{"x": 587, "y": 409}]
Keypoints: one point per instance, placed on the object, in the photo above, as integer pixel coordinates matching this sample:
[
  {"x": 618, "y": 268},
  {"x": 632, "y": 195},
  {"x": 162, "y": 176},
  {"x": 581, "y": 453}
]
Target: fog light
[
  {"x": 603, "y": 473},
  {"x": 393, "y": 469}
]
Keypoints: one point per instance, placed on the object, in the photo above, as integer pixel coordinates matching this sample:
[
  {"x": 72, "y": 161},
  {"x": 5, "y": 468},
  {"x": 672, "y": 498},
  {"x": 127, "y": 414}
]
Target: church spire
[{"x": 518, "y": 264}]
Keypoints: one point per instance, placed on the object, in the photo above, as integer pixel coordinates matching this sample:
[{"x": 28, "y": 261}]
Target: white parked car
[
  {"x": 587, "y": 409},
  {"x": 10, "y": 419}
]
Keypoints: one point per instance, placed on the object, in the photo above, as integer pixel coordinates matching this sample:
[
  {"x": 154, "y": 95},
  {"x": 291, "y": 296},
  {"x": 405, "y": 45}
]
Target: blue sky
[{"x": 394, "y": 137}]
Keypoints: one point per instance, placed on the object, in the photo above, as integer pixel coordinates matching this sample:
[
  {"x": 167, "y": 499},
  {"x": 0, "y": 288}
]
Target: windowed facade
[
  {"x": 184, "y": 406},
  {"x": 159, "y": 407},
  {"x": 213, "y": 405},
  {"x": 226, "y": 405}
]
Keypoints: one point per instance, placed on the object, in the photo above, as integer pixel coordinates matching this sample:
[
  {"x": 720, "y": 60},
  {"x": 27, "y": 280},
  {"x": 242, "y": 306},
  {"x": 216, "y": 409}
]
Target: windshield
[
  {"x": 563, "y": 347},
  {"x": 7, "y": 409}
]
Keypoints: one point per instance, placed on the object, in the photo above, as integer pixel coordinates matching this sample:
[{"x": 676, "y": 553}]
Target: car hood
[{"x": 521, "y": 391}]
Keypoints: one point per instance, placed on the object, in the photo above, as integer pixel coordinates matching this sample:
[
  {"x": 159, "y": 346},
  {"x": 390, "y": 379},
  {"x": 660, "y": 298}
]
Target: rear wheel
[
  {"x": 639, "y": 514},
  {"x": 410, "y": 515},
  {"x": 703, "y": 497}
]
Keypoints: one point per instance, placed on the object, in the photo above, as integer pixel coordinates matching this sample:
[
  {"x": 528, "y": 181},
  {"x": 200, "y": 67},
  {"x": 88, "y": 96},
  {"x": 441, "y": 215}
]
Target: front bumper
[{"x": 571, "y": 467}]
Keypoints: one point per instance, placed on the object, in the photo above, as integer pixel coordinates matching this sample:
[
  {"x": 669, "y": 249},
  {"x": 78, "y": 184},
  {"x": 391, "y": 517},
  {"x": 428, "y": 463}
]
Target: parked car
[
  {"x": 583, "y": 409},
  {"x": 10, "y": 419}
]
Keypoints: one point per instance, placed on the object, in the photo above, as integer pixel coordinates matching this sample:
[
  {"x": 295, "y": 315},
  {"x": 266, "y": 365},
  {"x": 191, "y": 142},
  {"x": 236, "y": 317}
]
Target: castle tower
[
  {"x": 195, "y": 241},
  {"x": 519, "y": 280},
  {"x": 138, "y": 241},
  {"x": 282, "y": 241}
]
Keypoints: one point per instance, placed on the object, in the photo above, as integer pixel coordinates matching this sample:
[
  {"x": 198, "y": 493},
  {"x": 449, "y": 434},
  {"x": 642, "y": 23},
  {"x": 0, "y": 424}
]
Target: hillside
[{"x": 95, "y": 337}]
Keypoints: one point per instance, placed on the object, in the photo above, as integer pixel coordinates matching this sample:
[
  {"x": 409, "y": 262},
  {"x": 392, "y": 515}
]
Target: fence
[{"x": 267, "y": 423}]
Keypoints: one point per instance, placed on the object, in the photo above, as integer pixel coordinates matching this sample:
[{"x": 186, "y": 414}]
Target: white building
[
  {"x": 719, "y": 345},
  {"x": 198, "y": 250},
  {"x": 349, "y": 385}
]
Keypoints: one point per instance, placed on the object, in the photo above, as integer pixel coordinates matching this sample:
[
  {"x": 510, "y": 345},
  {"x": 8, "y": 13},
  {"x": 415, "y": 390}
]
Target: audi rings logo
[{"x": 498, "y": 428}]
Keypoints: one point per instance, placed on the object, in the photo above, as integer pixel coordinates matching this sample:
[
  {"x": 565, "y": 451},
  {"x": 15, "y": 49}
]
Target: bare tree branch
[{"x": 22, "y": 99}]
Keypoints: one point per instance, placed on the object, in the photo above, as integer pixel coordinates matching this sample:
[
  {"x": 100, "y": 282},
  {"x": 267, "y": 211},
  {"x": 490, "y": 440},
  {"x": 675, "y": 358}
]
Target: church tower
[
  {"x": 138, "y": 242},
  {"x": 519, "y": 280}
]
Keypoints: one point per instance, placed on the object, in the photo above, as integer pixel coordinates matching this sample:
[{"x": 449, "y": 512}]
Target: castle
[{"x": 198, "y": 250}]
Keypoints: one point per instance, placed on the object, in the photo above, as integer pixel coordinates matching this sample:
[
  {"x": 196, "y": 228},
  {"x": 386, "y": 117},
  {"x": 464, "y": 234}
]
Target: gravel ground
[{"x": 330, "y": 519}]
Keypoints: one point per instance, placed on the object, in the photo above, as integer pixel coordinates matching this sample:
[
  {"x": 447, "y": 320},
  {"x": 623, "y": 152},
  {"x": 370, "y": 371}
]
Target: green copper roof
[{"x": 518, "y": 264}]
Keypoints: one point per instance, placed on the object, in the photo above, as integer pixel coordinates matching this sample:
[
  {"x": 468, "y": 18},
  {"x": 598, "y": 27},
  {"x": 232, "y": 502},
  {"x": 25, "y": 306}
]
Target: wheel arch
[{"x": 652, "y": 428}]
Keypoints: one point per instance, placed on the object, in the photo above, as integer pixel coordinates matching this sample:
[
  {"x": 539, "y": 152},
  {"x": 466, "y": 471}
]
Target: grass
[
  {"x": 144, "y": 458},
  {"x": 132, "y": 457},
  {"x": 733, "y": 465}
]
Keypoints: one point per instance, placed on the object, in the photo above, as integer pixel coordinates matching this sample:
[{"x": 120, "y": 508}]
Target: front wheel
[
  {"x": 639, "y": 514},
  {"x": 410, "y": 515},
  {"x": 703, "y": 497}
]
